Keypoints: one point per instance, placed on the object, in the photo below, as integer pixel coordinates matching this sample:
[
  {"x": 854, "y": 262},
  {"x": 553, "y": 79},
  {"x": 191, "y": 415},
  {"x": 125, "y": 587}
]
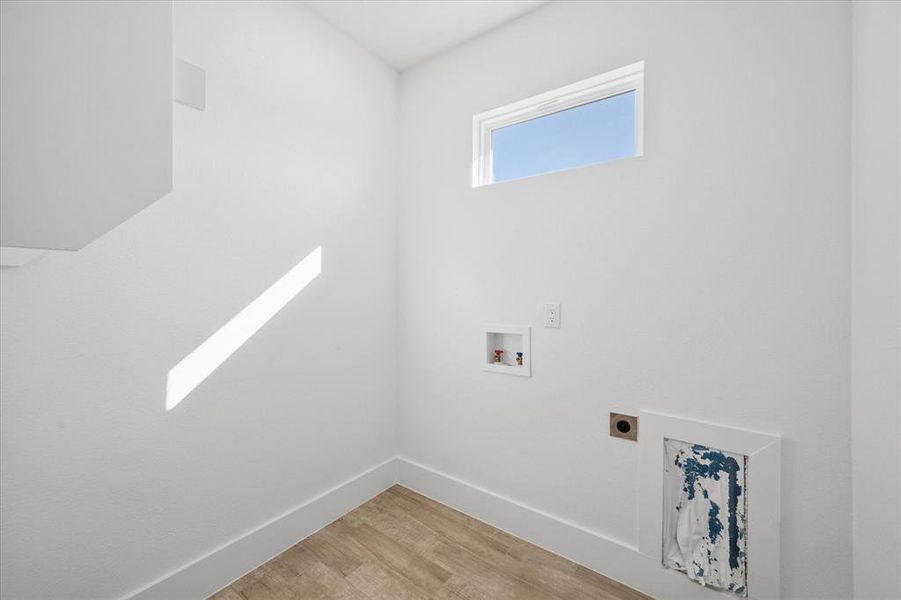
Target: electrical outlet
[
  {"x": 624, "y": 426},
  {"x": 552, "y": 314}
]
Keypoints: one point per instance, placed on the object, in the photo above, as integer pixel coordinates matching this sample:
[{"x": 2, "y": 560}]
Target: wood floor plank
[
  {"x": 532, "y": 555},
  {"x": 474, "y": 540},
  {"x": 297, "y": 558},
  {"x": 264, "y": 583},
  {"x": 338, "y": 535},
  {"x": 404, "y": 546},
  {"x": 420, "y": 570},
  {"x": 329, "y": 554},
  {"x": 544, "y": 576},
  {"x": 617, "y": 589},
  {"x": 377, "y": 581},
  {"x": 457, "y": 516},
  {"x": 474, "y": 579},
  {"x": 280, "y": 578},
  {"x": 335, "y": 586},
  {"x": 258, "y": 590},
  {"x": 227, "y": 594},
  {"x": 381, "y": 515}
]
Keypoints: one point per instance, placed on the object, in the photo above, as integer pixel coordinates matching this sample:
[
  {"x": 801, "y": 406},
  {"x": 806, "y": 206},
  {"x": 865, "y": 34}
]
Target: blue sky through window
[{"x": 584, "y": 135}]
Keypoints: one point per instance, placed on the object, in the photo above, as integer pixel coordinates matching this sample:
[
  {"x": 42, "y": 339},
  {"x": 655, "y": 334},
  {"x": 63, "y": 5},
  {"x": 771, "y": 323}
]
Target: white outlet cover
[{"x": 552, "y": 314}]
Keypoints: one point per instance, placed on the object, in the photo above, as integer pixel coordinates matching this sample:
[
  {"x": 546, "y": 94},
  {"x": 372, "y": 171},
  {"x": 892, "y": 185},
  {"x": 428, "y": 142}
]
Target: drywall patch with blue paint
[{"x": 705, "y": 515}]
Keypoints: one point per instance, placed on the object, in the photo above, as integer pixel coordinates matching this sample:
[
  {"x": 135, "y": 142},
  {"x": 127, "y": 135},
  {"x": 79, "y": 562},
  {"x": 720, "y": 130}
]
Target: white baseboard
[
  {"x": 613, "y": 558},
  {"x": 210, "y": 573}
]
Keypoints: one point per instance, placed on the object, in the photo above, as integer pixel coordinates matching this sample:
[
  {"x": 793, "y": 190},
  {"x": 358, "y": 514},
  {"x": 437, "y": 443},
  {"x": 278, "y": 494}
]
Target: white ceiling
[{"x": 405, "y": 32}]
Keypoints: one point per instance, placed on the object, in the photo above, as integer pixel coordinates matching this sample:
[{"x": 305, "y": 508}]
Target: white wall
[
  {"x": 102, "y": 489},
  {"x": 708, "y": 279},
  {"x": 876, "y": 299}
]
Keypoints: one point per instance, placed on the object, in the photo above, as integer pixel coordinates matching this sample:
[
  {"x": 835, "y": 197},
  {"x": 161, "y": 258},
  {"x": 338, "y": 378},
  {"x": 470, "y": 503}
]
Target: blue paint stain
[
  {"x": 710, "y": 464},
  {"x": 714, "y": 526},
  {"x": 699, "y": 570}
]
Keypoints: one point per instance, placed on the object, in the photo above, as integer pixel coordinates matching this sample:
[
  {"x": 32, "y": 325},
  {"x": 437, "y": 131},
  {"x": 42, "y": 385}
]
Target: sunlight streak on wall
[{"x": 206, "y": 358}]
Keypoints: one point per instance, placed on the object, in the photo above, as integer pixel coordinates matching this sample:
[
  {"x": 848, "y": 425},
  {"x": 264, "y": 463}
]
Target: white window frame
[{"x": 625, "y": 79}]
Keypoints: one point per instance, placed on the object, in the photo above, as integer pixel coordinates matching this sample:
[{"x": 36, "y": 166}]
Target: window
[{"x": 589, "y": 122}]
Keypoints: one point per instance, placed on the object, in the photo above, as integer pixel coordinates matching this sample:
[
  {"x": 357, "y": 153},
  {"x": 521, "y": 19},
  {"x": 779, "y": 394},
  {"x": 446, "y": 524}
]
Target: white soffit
[
  {"x": 405, "y": 32},
  {"x": 17, "y": 257}
]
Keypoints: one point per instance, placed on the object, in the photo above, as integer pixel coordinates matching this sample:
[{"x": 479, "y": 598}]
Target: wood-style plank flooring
[{"x": 401, "y": 545}]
